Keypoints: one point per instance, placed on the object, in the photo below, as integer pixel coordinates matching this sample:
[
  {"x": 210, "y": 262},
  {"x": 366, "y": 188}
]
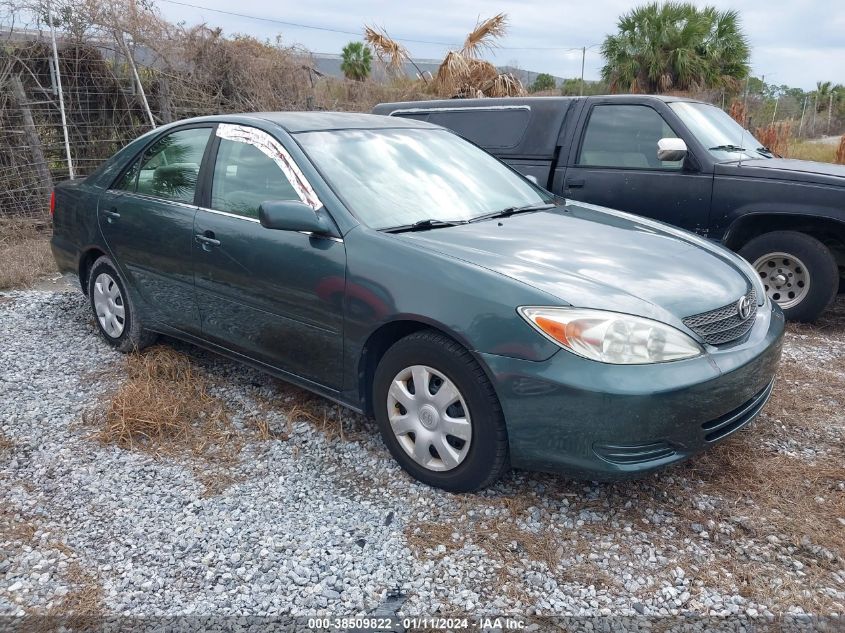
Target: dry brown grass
[
  {"x": 812, "y": 150},
  {"x": 165, "y": 406},
  {"x": 6, "y": 444},
  {"x": 25, "y": 255},
  {"x": 839, "y": 158},
  {"x": 84, "y": 603},
  {"x": 777, "y": 137}
]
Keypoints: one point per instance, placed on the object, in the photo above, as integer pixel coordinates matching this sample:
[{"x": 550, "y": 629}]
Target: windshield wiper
[
  {"x": 509, "y": 211},
  {"x": 423, "y": 225},
  {"x": 765, "y": 151},
  {"x": 727, "y": 148}
]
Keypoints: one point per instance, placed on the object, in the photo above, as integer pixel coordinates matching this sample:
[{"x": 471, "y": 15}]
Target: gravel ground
[{"x": 320, "y": 519}]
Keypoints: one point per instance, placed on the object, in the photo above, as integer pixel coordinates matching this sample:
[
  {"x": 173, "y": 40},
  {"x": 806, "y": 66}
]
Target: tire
[
  {"x": 483, "y": 456},
  {"x": 117, "y": 320},
  {"x": 795, "y": 256}
]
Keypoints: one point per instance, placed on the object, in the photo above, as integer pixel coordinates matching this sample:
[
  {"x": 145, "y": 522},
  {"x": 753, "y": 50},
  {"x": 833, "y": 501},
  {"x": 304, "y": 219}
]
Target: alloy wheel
[
  {"x": 109, "y": 305},
  {"x": 429, "y": 417},
  {"x": 785, "y": 277}
]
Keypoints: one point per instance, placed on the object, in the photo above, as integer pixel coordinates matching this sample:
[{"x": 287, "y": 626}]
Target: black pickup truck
[{"x": 680, "y": 161}]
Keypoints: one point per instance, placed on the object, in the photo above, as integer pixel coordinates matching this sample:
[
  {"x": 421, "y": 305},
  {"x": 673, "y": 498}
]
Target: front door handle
[
  {"x": 207, "y": 240},
  {"x": 575, "y": 183},
  {"x": 111, "y": 215}
]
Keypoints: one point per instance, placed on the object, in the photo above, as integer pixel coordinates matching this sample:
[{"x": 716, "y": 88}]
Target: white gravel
[{"x": 319, "y": 524}]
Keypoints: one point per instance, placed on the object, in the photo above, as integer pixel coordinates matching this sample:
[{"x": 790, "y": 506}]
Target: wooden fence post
[{"x": 31, "y": 133}]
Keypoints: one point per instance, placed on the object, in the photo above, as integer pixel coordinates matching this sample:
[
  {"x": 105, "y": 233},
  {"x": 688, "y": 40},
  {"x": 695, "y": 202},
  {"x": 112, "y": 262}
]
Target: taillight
[{"x": 52, "y": 203}]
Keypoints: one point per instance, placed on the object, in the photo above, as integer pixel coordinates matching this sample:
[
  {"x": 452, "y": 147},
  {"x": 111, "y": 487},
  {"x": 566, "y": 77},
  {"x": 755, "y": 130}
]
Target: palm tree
[
  {"x": 357, "y": 61},
  {"x": 675, "y": 46}
]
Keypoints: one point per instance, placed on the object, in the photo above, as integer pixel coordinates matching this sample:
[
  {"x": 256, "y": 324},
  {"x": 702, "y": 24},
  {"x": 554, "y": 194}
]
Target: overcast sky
[{"x": 794, "y": 42}]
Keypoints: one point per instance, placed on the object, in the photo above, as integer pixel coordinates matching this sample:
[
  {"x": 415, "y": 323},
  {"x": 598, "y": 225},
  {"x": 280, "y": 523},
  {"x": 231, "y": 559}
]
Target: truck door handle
[
  {"x": 575, "y": 183},
  {"x": 111, "y": 215},
  {"x": 207, "y": 240}
]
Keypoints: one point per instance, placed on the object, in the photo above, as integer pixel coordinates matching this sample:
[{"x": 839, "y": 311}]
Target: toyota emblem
[{"x": 743, "y": 308}]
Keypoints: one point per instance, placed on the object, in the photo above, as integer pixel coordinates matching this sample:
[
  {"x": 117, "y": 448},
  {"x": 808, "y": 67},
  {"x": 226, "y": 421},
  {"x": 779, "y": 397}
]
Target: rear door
[
  {"x": 615, "y": 165},
  {"x": 147, "y": 218},
  {"x": 274, "y": 296}
]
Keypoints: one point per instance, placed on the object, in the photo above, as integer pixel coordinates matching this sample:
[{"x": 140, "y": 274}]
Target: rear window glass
[{"x": 494, "y": 129}]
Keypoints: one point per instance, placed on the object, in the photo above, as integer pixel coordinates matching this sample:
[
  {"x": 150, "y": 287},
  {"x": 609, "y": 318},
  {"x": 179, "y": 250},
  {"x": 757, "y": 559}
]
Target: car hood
[
  {"x": 588, "y": 256},
  {"x": 786, "y": 169}
]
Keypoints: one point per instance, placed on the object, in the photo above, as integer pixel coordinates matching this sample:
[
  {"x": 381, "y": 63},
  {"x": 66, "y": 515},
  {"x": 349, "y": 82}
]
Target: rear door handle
[
  {"x": 111, "y": 215},
  {"x": 207, "y": 240},
  {"x": 575, "y": 183}
]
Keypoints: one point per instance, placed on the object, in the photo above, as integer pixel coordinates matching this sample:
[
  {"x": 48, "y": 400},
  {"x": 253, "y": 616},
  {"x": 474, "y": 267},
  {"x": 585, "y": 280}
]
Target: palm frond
[
  {"x": 484, "y": 35},
  {"x": 389, "y": 52}
]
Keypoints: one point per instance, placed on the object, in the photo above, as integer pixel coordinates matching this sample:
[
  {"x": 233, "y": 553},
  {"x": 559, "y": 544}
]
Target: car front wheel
[
  {"x": 114, "y": 310},
  {"x": 799, "y": 272},
  {"x": 438, "y": 413}
]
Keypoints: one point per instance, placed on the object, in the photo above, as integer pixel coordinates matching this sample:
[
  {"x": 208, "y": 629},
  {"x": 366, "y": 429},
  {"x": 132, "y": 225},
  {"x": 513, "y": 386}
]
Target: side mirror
[
  {"x": 291, "y": 215},
  {"x": 671, "y": 149},
  {"x": 533, "y": 179}
]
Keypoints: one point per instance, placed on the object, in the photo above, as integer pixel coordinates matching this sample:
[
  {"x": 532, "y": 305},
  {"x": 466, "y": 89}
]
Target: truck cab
[{"x": 676, "y": 160}]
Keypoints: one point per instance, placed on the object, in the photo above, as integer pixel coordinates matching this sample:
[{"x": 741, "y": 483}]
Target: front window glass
[
  {"x": 169, "y": 168},
  {"x": 244, "y": 177},
  {"x": 395, "y": 177},
  {"x": 625, "y": 136},
  {"x": 718, "y": 132}
]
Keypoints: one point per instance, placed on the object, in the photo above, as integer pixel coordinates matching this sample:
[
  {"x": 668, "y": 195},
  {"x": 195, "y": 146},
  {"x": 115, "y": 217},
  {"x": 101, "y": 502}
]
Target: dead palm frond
[
  {"x": 484, "y": 36},
  {"x": 390, "y": 52},
  {"x": 452, "y": 71},
  {"x": 505, "y": 85}
]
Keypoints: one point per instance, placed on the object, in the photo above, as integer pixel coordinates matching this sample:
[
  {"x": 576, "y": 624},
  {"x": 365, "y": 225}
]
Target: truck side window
[{"x": 625, "y": 136}]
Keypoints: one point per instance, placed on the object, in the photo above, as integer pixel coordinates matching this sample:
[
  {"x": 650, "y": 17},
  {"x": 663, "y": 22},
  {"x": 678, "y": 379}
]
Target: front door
[
  {"x": 147, "y": 221},
  {"x": 616, "y": 166},
  {"x": 274, "y": 296}
]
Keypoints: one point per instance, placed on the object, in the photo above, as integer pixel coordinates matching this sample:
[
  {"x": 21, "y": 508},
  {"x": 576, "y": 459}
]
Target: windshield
[
  {"x": 717, "y": 131},
  {"x": 396, "y": 177}
]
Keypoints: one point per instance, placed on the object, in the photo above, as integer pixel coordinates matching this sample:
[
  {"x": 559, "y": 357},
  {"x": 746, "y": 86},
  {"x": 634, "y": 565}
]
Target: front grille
[{"x": 725, "y": 324}]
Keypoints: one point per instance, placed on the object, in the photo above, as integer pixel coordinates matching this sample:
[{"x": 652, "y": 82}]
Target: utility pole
[
  {"x": 583, "y": 56},
  {"x": 61, "y": 92}
]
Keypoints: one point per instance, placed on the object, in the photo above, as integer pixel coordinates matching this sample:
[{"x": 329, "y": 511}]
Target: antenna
[{"x": 741, "y": 147}]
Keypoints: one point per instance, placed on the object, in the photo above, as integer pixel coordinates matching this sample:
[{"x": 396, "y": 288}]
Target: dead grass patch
[
  {"x": 25, "y": 255},
  {"x": 5, "y": 444},
  {"x": 165, "y": 406},
  {"x": 84, "y": 600}
]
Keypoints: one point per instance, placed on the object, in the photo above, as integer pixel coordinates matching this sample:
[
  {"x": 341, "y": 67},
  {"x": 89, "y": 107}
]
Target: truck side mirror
[{"x": 671, "y": 149}]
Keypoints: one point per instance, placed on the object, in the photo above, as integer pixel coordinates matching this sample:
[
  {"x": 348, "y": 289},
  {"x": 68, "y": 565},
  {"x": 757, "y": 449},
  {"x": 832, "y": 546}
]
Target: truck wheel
[
  {"x": 114, "y": 310},
  {"x": 799, "y": 272},
  {"x": 438, "y": 413}
]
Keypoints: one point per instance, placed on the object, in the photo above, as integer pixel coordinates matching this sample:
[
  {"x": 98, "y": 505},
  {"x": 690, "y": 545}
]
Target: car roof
[
  {"x": 546, "y": 103},
  {"x": 294, "y": 122}
]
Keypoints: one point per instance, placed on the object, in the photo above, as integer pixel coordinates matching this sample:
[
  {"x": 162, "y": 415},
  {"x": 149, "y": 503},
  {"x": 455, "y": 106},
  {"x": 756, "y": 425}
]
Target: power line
[{"x": 358, "y": 33}]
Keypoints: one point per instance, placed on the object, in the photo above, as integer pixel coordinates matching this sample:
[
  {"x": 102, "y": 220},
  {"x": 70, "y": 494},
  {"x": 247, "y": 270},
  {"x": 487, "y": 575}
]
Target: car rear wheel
[
  {"x": 113, "y": 309},
  {"x": 438, "y": 413},
  {"x": 799, "y": 272}
]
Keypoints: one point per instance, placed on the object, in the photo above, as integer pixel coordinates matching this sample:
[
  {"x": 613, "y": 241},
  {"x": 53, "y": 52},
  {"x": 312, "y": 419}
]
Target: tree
[
  {"x": 357, "y": 61},
  {"x": 675, "y": 46},
  {"x": 543, "y": 81}
]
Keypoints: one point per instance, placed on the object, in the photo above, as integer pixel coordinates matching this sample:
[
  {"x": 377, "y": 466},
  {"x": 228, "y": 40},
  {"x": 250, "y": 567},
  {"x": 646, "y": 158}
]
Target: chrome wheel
[
  {"x": 109, "y": 305},
  {"x": 785, "y": 277},
  {"x": 429, "y": 417}
]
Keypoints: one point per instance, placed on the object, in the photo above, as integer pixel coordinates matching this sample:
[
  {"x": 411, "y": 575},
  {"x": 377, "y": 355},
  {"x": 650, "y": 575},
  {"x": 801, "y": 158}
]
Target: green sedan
[{"x": 399, "y": 270}]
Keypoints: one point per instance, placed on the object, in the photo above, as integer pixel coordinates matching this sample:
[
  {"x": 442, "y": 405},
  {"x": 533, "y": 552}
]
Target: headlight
[{"x": 610, "y": 337}]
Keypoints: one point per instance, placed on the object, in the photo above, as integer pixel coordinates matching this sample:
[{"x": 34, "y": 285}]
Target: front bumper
[{"x": 604, "y": 422}]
